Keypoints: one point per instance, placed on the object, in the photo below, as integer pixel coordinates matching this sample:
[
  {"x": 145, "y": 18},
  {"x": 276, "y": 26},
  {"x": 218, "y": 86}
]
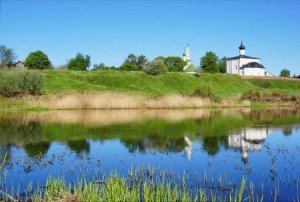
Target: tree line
[{"x": 209, "y": 63}]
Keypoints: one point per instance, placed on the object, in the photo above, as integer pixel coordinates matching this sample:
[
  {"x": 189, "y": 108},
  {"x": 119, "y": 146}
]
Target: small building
[
  {"x": 244, "y": 65},
  {"x": 19, "y": 65},
  {"x": 189, "y": 67}
]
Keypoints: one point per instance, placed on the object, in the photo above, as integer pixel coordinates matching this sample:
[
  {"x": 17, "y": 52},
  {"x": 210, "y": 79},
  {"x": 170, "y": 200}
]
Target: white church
[
  {"x": 189, "y": 67},
  {"x": 244, "y": 65}
]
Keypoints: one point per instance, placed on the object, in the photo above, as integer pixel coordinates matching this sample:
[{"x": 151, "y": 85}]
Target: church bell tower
[{"x": 242, "y": 48}]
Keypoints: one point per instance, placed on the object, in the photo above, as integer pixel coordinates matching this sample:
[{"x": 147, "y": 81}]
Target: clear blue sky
[{"x": 109, "y": 30}]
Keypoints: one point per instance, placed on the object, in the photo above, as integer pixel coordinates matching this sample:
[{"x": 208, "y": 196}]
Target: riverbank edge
[{"x": 112, "y": 100}]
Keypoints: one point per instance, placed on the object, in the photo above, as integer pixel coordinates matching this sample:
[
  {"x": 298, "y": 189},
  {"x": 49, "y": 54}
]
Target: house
[
  {"x": 19, "y": 65},
  {"x": 244, "y": 65}
]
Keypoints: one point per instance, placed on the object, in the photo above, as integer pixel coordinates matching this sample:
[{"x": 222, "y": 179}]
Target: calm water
[{"x": 263, "y": 146}]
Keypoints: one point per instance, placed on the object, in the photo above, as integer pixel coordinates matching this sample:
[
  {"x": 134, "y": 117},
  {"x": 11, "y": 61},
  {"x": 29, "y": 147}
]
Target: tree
[
  {"x": 134, "y": 63},
  {"x": 285, "y": 73},
  {"x": 130, "y": 63},
  {"x": 7, "y": 56},
  {"x": 102, "y": 67},
  {"x": 141, "y": 61},
  {"x": 222, "y": 65},
  {"x": 174, "y": 64},
  {"x": 79, "y": 63},
  {"x": 37, "y": 60},
  {"x": 209, "y": 63},
  {"x": 155, "y": 67}
]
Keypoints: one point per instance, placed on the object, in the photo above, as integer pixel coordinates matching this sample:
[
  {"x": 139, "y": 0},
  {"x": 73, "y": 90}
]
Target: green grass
[
  {"x": 139, "y": 82},
  {"x": 284, "y": 86},
  {"x": 117, "y": 188},
  {"x": 222, "y": 85}
]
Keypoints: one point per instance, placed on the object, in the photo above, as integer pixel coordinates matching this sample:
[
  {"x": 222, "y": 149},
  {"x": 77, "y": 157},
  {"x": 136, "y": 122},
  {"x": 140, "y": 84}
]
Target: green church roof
[{"x": 191, "y": 68}]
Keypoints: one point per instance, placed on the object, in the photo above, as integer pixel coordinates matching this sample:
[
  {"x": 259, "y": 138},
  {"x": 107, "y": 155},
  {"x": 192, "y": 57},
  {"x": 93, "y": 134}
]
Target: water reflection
[
  {"x": 142, "y": 131},
  {"x": 79, "y": 146},
  {"x": 249, "y": 139},
  {"x": 197, "y": 140},
  {"x": 37, "y": 150}
]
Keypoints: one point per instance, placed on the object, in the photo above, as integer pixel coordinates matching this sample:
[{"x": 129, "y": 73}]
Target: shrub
[
  {"x": 257, "y": 96},
  {"x": 206, "y": 92},
  {"x": 155, "y": 67},
  {"x": 15, "y": 83}
]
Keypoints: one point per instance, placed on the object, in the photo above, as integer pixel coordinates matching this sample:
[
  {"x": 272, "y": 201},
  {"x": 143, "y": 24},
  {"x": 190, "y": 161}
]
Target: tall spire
[{"x": 187, "y": 54}]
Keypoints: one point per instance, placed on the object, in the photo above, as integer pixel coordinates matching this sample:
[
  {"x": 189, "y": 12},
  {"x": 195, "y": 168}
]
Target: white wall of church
[
  {"x": 253, "y": 72},
  {"x": 233, "y": 66}
]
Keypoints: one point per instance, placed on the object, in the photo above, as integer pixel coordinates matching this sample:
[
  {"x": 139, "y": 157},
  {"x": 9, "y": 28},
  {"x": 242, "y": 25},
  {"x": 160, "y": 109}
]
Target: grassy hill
[
  {"x": 223, "y": 85},
  {"x": 137, "y": 90}
]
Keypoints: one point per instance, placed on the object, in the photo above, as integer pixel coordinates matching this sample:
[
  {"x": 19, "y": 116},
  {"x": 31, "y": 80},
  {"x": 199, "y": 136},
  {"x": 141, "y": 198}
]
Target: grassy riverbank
[{"x": 123, "y": 89}]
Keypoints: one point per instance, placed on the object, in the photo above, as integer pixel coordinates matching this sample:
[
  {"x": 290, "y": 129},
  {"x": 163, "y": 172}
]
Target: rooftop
[
  {"x": 252, "y": 65},
  {"x": 242, "y": 56}
]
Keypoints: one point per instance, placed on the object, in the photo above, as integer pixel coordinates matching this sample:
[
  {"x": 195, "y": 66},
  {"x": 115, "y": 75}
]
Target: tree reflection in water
[{"x": 161, "y": 131}]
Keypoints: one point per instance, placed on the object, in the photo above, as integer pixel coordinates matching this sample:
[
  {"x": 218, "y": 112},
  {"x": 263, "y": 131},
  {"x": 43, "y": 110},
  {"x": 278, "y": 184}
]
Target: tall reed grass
[{"x": 108, "y": 100}]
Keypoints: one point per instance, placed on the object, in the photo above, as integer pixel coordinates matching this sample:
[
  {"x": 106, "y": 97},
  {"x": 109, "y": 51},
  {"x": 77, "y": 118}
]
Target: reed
[
  {"x": 110, "y": 100},
  {"x": 146, "y": 188}
]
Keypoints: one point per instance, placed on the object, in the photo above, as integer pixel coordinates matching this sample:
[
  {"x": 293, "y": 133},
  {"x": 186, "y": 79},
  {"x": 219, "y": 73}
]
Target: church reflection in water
[{"x": 247, "y": 140}]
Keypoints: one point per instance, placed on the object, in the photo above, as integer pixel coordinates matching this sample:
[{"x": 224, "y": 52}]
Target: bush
[
  {"x": 257, "y": 96},
  {"x": 206, "y": 92},
  {"x": 155, "y": 67},
  {"x": 16, "y": 83}
]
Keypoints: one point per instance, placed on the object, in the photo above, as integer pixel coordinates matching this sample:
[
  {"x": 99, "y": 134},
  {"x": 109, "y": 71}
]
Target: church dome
[{"x": 242, "y": 47}]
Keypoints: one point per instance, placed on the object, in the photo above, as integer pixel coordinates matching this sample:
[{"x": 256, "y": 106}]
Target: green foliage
[
  {"x": 285, "y": 73},
  {"x": 174, "y": 64},
  {"x": 102, "y": 67},
  {"x": 14, "y": 83},
  {"x": 37, "y": 60},
  {"x": 206, "y": 92},
  {"x": 134, "y": 63},
  {"x": 155, "y": 67},
  {"x": 141, "y": 61},
  {"x": 209, "y": 63},
  {"x": 222, "y": 65},
  {"x": 79, "y": 63},
  {"x": 7, "y": 56}
]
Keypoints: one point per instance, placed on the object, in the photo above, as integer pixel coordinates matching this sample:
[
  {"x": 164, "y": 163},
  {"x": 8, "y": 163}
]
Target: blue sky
[{"x": 109, "y": 30}]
